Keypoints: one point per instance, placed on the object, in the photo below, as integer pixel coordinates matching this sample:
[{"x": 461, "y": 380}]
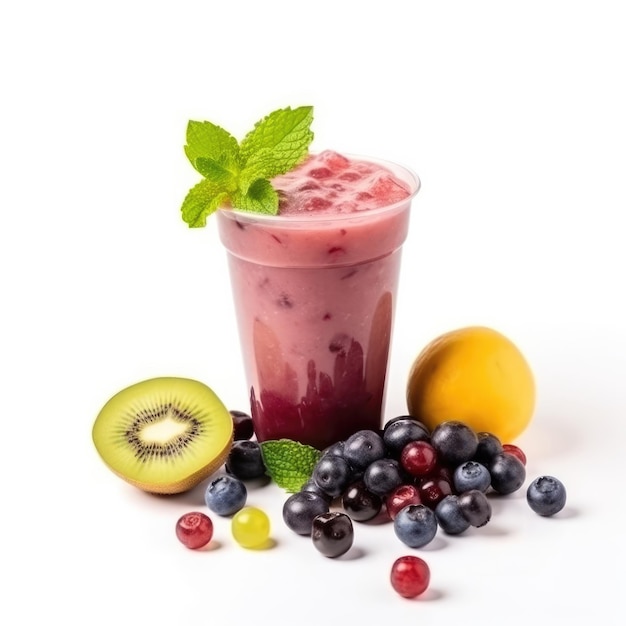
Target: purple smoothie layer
[{"x": 314, "y": 294}]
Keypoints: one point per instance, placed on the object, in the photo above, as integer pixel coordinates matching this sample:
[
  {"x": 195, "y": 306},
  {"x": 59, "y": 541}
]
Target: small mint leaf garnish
[
  {"x": 280, "y": 140},
  {"x": 238, "y": 175},
  {"x": 209, "y": 141},
  {"x": 289, "y": 463},
  {"x": 217, "y": 173},
  {"x": 260, "y": 197},
  {"x": 202, "y": 200}
]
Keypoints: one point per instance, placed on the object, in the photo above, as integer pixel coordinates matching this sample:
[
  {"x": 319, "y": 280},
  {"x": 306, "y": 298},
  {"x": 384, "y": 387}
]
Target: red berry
[
  {"x": 446, "y": 473},
  {"x": 194, "y": 530},
  {"x": 418, "y": 458},
  {"x": 410, "y": 576},
  {"x": 434, "y": 490},
  {"x": 400, "y": 497},
  {"x": 515, "y": 451}
]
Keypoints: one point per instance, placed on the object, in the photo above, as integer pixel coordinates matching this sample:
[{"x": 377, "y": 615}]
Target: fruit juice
[{"x": 314, "y": 290}]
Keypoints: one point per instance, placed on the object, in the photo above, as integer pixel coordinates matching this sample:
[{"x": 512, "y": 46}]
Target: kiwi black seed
[{"x": 164, "y": 435}]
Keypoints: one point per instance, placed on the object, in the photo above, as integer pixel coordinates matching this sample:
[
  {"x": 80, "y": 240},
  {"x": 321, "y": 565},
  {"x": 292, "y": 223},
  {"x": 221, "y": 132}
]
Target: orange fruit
[{"x": 475, "y": 375}]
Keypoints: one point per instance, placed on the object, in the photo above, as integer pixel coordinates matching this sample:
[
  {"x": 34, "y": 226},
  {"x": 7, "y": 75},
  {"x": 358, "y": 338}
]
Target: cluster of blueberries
[{"x": 421, "y": 480}]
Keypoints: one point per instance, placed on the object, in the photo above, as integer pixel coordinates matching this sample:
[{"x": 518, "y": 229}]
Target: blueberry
[
  {"x": 488, "y": 446},
  {"x": 455, "y": 442},
  {"x": 225, "y": 495},
  {"x": 415, "y": 525},
  {"x": 300, "y": 509},
  {"x": 245, "y": 460},
  {"x": 361, "y": 504},
  {"x": 471, "y": 475},
  {"x": 363, "y": 448},
  {"x": 475, "y": 507},
  {"x": 399, "y": 432},
  {"x": 449, "y": 516},
  {"x": 383, "y": 476},
  {"x": 546, "y": 495},
  {"x": 332, "y": 533},
  {"x": 507, "y": 473},
  {"x": 332, "y": 474}
]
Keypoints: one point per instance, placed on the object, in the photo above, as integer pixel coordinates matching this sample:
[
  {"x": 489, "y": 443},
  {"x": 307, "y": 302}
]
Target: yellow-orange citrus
[{"x": 475, "y": 375}]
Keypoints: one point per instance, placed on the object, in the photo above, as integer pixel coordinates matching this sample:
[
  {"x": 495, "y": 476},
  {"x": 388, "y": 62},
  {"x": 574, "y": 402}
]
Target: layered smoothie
[{"x": 315, "y": 289}]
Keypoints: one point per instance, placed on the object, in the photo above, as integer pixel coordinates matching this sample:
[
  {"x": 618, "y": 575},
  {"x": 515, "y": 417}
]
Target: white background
[{"x": 512, "y": 113}]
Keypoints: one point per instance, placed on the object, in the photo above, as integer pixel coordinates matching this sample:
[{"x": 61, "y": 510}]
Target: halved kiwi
[{"x": 164, "y": 435}]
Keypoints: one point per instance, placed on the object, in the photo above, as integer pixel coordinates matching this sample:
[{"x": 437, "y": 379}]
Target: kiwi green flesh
[{"x": 164, "y": 435}]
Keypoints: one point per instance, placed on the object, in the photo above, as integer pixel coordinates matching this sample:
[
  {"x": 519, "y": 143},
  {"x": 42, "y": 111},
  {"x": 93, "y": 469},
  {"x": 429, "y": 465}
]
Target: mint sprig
[
  {"x": 289, "y": 463},
  {"x": 238, "y": 174}
]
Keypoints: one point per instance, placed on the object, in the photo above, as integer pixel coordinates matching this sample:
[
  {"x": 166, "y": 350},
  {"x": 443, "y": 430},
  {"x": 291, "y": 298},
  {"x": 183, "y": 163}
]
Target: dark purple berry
[
  {"x": 243, "y": 428},
  {"x": 383, "y": 476},
  {"x": 363, "y": 448},
  {"x": 300, "y": 509},
  {"x": 488, "y": 446},
  {"x": 360, "y": 504},
  {"x": 398, "y": 433},
  {"x": 455, "y": 442},
  {"x": 507, "y": 473},
  {"x": 312, "y": 487},
  {"x": 335, "y": 449},
  {"x": 393, "y": 420},
  {"x": 475, "y": 507},
  {"x": 332, "y": 533},
  {"x": 332, "y": 474},
  {"x": 245, "y": 460}
]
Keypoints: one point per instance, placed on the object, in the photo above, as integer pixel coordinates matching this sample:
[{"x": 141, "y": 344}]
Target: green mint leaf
[
  {"x": 256, "y": 167},
  {"x": 289, "y": 463},
  {"x": 216, "y": 172},
  {"x": 209, "y": 141},
  {"x": 260, "y": 197},
  {"x": 278, "y": 142},
  {"x": 202, "y": 200},
  {"x": 239, "y": 174}
]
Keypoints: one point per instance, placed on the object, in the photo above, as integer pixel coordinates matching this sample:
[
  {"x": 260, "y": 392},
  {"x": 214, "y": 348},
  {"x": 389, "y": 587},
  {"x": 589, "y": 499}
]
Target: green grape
[{"x": 251, "y": 527}]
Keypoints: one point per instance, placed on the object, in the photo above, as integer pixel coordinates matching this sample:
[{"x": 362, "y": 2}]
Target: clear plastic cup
[{"x": 314, "y": 297}]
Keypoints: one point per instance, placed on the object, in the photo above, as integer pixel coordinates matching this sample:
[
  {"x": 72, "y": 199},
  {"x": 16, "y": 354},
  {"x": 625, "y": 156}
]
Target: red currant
[
  {"x": 400, "y": 497},
  {"x": 418, "y": 458},
  {"x": 434, "y": 490},
  {"x": 410, "y": 576},
  {"x": 194, "y": 530},
  {"x": 515, "y": 451}
]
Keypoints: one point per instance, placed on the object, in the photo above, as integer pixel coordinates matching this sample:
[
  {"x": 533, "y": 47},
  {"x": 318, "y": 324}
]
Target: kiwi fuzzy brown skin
[{"x": 192, "y": 434}]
